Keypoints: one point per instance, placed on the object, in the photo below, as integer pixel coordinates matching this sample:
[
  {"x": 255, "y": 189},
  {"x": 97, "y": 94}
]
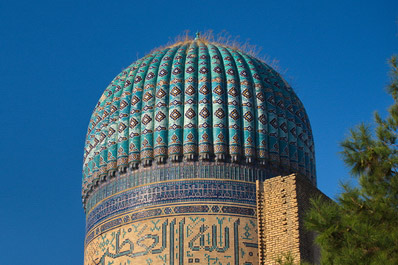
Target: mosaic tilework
[
  {"x": 177, "y": 171},
  {"x": 169, "y": 210},
  {"x": 193, "y": 190},
  {"x": 198, "y": 100},
  {"x": 195, "y": 239}
]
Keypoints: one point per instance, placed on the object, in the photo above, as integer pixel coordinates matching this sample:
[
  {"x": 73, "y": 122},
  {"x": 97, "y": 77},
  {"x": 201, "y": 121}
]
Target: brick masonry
[{"x": 282, "y": 203}]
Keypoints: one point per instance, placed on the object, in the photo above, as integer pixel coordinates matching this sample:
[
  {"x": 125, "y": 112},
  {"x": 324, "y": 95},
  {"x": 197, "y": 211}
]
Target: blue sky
[{"x": 57, "y": 57}]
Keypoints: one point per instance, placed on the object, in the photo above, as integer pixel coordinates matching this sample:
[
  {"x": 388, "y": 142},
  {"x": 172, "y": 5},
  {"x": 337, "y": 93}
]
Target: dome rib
[
  {"x": 147, "y": 109},
  {"x": 198, "y": 101},
  {"x": 135, "y": 112},
  {"x": 220, "y": 132},
  {"x": 130, "y": 119},
  {"x": 161, "y": 107},
  {"x": 248, "y": 118},
  {"x": 260, "y": 109},
  {"x": 190, "y": 144},
  {"x": 123, "y": 126},
  {"x": 176, "y": 93},
  {"x": 233, "y": 103},
  {"x": 103, "y": 152},
  {"x": 205, "y": 104},
  {"x": 114, "y": 123}
]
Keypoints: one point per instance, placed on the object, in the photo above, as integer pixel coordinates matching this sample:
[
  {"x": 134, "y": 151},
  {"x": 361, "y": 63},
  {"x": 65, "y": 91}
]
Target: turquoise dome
[{"x": 198, "y": 100}]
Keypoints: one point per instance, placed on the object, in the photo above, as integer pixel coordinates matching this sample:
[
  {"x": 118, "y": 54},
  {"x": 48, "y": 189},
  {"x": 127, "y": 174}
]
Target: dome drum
[
  {"x": 269, "y": 169},
  {"x": 178, "y": 171}
]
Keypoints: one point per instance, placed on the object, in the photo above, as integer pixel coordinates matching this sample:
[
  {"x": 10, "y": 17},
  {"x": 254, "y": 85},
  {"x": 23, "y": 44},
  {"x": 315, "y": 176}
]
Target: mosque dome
[{"x": 198, "y": 101}]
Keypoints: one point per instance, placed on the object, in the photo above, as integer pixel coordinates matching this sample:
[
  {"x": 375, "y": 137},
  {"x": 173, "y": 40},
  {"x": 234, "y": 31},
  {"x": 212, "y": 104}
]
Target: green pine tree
[{"x": 362, "y": 226}]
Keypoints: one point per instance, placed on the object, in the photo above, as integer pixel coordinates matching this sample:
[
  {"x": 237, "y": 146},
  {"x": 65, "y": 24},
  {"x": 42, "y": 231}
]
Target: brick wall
[{"x": 284, "y": 202}]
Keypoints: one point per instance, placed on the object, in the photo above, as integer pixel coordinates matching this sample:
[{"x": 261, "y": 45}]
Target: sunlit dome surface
[{"x": 198, "y": 101}]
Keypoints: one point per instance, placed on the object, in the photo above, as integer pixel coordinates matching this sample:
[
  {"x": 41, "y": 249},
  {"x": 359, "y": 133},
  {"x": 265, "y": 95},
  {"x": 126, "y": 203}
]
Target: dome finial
[{"x": 197, "y": 37}]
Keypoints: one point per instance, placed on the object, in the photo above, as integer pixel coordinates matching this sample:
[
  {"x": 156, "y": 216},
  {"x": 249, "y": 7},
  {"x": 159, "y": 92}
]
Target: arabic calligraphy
[{"x": 179, "y": 240}]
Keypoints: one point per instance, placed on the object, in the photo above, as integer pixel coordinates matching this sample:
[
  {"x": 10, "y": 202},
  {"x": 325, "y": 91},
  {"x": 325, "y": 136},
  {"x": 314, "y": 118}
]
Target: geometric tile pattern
[
  {"x": 198, "y": 100},
  {"x": 173, "y": 192},
  {"x": 172, "y": 172}
]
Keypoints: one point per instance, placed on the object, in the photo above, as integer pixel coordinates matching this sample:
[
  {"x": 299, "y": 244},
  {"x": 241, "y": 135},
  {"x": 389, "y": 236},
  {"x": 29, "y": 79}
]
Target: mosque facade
[{"x": 198, "y": 153}]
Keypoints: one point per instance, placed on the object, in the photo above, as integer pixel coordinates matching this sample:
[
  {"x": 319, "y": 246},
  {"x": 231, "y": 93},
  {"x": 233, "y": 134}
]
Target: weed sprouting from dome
[
  {"x": 224, "y": 39},
  {"x": 208, "y": 37}
]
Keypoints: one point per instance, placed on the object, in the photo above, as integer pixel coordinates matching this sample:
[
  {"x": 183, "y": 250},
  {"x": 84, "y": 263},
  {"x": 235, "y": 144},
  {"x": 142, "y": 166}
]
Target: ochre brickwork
[
  {"x": 260, "y": 221},
  {"x": 285, "y": 202}
]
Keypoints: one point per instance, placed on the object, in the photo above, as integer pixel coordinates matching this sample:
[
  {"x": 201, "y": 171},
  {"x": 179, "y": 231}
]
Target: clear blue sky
[{"x": 57, "y": 57}]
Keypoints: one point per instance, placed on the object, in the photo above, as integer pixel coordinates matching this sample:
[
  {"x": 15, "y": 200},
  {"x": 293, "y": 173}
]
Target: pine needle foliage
[
  {"x": 362, "y": 227},
  {"x": 288, "y": 259}
]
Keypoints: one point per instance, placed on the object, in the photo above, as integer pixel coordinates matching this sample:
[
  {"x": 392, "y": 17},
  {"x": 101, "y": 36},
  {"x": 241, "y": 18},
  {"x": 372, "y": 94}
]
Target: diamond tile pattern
[{"x": 193, "y": 89}]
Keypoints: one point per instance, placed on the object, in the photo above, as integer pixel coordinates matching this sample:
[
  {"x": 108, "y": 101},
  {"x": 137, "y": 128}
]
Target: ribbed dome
[{"x": 197, "y": 100}]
